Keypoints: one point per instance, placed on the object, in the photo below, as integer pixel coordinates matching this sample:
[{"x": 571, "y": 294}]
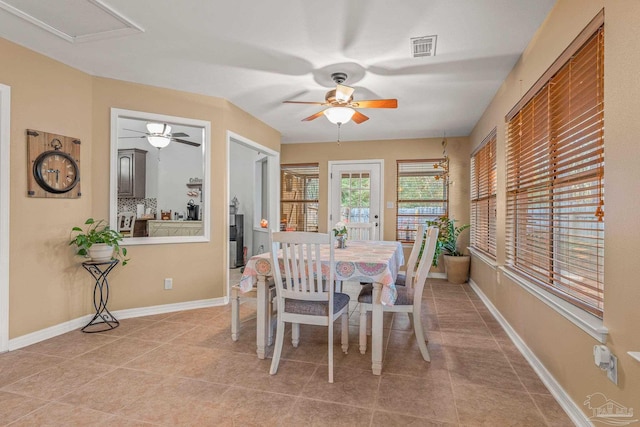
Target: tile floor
[{"x": 183, "y": 369}]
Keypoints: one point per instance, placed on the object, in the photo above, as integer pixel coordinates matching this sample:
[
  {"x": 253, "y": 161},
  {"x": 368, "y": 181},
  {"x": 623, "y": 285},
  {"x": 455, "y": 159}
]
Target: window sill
[
  {"x": 483, "y": 257},
  {"x": 589, "y": 323}
]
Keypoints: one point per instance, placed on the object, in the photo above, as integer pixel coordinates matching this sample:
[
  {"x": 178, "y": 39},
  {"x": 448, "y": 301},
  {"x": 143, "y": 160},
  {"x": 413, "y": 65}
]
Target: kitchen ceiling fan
[
  {"x": 159, "y": 135},
  {"x": 341, "y": 105}
]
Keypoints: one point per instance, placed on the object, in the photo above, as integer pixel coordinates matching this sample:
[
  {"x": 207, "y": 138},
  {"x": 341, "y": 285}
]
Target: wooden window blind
[
  {"x": 555, "y": 177},
  {"x": 483, "y": 196},
  {"x": 421, "y": 196},
  {"x": 299, "y": 196}
]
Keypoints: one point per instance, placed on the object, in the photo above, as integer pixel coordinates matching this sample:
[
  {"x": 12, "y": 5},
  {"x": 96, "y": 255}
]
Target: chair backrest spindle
[
  {"x": 425, "y": 264},
  {"x": 360, "y": 230},
  {"x": 412, "y": 263},
  {"x": 301, "y": 265}
]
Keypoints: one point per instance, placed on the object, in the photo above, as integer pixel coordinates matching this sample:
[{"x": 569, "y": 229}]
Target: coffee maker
[{"x": 193, "y": 211}]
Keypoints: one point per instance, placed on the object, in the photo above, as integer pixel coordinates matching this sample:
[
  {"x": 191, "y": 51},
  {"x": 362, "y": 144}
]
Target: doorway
[
  {"x": 5, "y": 117},
  {"x": 253, "y": 183},
  {"x": 355, "y": 193}
]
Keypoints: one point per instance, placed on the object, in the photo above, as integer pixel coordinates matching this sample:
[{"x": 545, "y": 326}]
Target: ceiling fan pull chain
[{"x": 339, "y": 132}]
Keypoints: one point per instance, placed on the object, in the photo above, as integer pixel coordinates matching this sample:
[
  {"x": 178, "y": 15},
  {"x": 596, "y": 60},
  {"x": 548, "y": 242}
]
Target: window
[
  {"x": 355, "y": 196},
  {"x": 421, "y": 196},
  {"x": 483, "y": 196},
  {"x": 299, "y": 188},
  {"x": 555, "y": 170}
]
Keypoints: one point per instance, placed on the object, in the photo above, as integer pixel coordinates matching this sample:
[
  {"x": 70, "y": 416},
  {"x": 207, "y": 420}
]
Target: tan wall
[
  {"x": 566, "y": 350},
  {"x": 390, "y": 151},
  {"x": 47, "y": 284}
]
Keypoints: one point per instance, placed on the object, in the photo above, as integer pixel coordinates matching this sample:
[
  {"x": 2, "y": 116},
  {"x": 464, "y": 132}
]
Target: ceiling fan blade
[
  {"x": 303, "y": 102},
  {"x": 133, "y": 130},
  {"x": 358, "y": 117},
  {"x": 127, "y": 137},
  {"x": 343, "y": 93},
  {"x": 184, "y": 141},
  {"x": 315, "y": 116},
  {"x": 376, "y": 103},
  {"x": 179, "y": 135}
]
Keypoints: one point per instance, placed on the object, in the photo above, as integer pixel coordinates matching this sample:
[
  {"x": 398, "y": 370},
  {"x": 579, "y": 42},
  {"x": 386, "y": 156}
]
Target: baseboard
[
  {"x": 169, "y": 308},
  {"x": 50, "y": 332},
  {"x": 564, "y": 400},
  {"x": 433, "y": 275},
  {"x": 71, "y": 325}
]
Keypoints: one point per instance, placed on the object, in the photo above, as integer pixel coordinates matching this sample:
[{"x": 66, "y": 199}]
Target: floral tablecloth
[{"x": 361, "y": 261}]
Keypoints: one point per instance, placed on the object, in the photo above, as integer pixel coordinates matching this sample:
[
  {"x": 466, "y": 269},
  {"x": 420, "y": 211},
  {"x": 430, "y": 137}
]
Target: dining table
[{"x": 364, "y": 261}]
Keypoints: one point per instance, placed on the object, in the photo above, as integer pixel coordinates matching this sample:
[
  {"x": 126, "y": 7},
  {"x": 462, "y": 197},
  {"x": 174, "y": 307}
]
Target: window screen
[
  {"x": 299, "y": 186},
  {"x": 421, "y": 196}
]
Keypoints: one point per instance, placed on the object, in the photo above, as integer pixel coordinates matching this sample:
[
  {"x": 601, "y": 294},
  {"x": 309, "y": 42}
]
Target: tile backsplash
[{"x": 130, "y": 205}]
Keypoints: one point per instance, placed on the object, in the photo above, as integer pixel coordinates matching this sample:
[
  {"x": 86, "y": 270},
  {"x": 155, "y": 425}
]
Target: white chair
[
  {"x": 126, "y": 222},
  {"x": 361, "y": 230},
  {"x": 409, "y": 297},
  {"x": 301, "y": 295},
  {"x": 236, "y": 294},
  {"x": 405, "y": 278}
]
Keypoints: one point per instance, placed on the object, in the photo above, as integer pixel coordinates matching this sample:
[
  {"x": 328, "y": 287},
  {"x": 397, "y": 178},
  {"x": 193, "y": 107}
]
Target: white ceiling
[{"x": 258, "y": 53}]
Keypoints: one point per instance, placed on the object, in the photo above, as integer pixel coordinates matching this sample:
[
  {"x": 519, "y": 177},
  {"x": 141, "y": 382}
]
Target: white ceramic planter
[{"x": 100, "y": 252}]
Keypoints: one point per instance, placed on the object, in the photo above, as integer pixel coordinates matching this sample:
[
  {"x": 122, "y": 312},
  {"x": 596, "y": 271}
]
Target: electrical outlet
[
  {"x": 612, "y": 371},
  {"x": 168, "y": 283}
]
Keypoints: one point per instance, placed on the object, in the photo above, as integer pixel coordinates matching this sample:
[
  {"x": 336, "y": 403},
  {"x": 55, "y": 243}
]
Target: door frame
[
  {"x": 380, "y": 162},
  {"x": 5, "y": 124},
  {"x": 273, "y": 171}
]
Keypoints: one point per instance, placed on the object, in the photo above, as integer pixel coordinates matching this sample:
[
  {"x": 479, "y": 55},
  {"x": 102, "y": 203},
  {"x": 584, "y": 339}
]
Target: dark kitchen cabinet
[{"x": 132, "y": 174}]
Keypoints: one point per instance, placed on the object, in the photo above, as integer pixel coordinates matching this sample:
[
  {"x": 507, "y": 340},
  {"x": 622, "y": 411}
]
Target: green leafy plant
[
  {"x": 98, "y": 232},
  {"x": 448, "y": 233}
]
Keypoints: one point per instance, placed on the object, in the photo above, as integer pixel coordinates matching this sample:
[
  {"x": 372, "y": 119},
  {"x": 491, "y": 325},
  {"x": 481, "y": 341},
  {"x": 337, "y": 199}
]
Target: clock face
[{"x": 56, "y": 172}]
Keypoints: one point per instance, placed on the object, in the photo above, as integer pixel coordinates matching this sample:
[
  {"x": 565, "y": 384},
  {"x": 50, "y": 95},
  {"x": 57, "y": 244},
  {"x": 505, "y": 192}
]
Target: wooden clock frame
[{"x": 39, "y": 142}]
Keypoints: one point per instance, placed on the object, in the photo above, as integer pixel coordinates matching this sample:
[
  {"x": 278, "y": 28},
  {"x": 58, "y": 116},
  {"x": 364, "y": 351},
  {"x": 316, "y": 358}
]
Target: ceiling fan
[
  {"x": 341, "y": 106},
  {"x": 159, "y": 135}
]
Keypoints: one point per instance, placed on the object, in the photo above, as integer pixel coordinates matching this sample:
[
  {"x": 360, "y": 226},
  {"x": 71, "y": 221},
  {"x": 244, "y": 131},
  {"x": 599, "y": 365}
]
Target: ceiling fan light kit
[
  {"x": 159, "y": 141},
  {"x": 340, "y": 104},
  {"x": 159, "y": 134},
  {"x": 339, "y": 115}
]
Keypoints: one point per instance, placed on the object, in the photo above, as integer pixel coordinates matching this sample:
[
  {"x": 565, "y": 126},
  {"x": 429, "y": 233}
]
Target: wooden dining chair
[
  {"x": 301, "y": 294},
  {"x": 409, "y": 272},
  {"x": 405, "y": 278},
  {"x": 361, "y": 230},
  {"x": 126, "y": 223},
  {"x": 409, "y": 297},
  {"x": 237, "y": 294}
]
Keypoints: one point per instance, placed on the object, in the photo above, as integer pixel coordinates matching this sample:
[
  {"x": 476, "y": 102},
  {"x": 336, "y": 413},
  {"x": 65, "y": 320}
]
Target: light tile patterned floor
[{"x": 183, "y": 369}]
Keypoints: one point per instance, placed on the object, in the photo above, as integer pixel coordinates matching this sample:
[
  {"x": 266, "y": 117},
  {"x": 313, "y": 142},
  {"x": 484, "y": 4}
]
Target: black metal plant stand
[{"x": 100, "y": 271}]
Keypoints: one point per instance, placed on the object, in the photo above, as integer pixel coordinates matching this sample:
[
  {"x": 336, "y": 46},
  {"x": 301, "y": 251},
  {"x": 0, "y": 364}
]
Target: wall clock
[{"x": 54, "y": 165}]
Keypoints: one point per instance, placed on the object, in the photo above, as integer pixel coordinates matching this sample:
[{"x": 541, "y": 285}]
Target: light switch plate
[{"x": 389, "y": 205}]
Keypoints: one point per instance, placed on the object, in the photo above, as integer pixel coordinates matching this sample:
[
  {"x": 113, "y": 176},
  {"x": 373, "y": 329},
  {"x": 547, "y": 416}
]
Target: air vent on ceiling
[
  {"x": 75, "y": 21},
  {"x": 423, "y": 46}
]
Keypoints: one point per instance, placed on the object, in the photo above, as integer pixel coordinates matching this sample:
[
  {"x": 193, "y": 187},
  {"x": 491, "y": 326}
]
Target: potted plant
[
  {"x": 340, "y": 231},
  {"x": 98, "y": 242},
  {"x": 456, "y": 263}
]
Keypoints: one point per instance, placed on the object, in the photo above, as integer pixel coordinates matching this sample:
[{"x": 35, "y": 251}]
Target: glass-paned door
[{"x": 355, "y": 194}]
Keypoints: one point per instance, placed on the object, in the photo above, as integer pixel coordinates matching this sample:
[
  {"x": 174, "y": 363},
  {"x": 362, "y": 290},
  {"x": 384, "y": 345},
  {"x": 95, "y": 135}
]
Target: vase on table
[{"x": 341, "y": 240}]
